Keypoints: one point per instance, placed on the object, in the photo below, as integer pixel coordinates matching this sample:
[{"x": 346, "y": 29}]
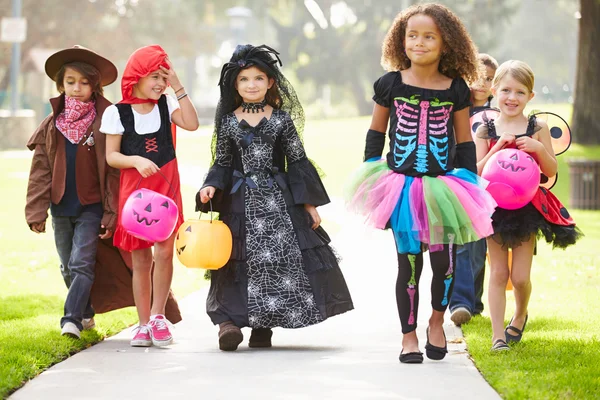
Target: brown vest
[{"x": 86, "y": 170}]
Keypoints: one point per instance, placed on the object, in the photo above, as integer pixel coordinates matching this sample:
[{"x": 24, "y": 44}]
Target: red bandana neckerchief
[
  {"x": 74, "y": 121},
  {"x": 141, "y": 63}
]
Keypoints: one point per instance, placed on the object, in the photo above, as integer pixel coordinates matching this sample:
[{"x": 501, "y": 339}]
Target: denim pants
[
  {"x": 469, "y": 274},
  {"x": 76, "y": 243}
]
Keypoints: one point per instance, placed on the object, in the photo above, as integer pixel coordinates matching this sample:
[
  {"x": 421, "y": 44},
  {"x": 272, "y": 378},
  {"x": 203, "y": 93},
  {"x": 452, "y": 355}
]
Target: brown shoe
[
  {"x": 260, "y": 337},
  {"x": 230, "y": 336}
]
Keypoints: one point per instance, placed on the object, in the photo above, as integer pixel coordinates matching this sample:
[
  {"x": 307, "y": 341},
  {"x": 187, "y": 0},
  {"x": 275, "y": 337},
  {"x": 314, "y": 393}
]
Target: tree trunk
[
  {"x": 586, "y": 121},
  {"x": 363, "y": 106}
]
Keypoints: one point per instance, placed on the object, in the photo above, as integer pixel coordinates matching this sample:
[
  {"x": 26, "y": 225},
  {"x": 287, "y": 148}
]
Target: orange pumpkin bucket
[{"x": 205, "y": 244}]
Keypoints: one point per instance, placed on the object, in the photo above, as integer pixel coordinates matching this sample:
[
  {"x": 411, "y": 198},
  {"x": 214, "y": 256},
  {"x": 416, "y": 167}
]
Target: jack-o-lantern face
[
  {"x": 149, "y": 215},
  {"x": 513, "y": 164},
  {"x": 183, "y": 241},
  {"x": 514, "y": 178},
  {"x": 203, "y": 244}
]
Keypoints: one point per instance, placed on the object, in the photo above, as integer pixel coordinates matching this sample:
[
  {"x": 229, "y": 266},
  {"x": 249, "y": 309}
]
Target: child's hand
[
  {"x": 529, "y": 145},
  {"x": 145, "y": 167},
  {"x": 505, "y": 139},
  {"x": 38, "y": 227},
  {"x": 171, "y": 76},
  {"x": 105, "y": 233},
  {"x": 206, "y": 193},
  {"x": 314, "y": 215}
]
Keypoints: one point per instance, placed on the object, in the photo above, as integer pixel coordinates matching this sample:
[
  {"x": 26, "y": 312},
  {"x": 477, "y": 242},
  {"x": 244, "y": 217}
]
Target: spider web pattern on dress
[{"x": 279, "y": 293}]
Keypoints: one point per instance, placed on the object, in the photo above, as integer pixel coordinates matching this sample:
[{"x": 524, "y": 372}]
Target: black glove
[
  {"x": 466, "y": 156},
  {"x": 374, "y": 144}
]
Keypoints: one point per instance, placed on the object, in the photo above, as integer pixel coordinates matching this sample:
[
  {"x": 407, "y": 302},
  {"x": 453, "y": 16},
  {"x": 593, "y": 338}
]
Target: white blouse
[{"x": 144, "y": 123}]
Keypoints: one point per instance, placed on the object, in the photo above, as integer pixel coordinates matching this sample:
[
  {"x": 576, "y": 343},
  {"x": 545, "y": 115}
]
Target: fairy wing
[
  {"x": 560, "y": 132},
  {"x": 546, "y": 182},
  {"x": 477, "y": 118},
  {"x": 560, "y": 135}
]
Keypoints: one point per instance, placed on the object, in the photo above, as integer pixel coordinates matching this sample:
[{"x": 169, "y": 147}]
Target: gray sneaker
[
  {"x": 88, "y": 323},
  {"x": 70, "y": 329},
  {"x": 460, "y": 316}
]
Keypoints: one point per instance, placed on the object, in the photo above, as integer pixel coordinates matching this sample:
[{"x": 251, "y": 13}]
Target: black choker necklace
[{"x": 254, "y": 107}]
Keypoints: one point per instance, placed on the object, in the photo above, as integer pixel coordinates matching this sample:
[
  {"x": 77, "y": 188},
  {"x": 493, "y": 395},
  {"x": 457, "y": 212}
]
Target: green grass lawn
[
  {"x": 32, "y": 290},
  {"x": 557, "y": 349},
  {"x": 558, "y": 356}
]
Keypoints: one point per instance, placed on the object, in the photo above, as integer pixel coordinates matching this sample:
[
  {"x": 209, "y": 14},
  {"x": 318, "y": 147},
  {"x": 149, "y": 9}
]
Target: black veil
[{"x": 281, "y": 96}]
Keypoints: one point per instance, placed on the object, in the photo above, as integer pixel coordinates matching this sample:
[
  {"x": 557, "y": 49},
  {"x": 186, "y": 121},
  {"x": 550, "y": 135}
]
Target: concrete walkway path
[{"x": 352, "y": 356}]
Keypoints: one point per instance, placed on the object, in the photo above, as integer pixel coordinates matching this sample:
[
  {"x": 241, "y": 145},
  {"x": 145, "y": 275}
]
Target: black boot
[{"x": 260, "y": 337}]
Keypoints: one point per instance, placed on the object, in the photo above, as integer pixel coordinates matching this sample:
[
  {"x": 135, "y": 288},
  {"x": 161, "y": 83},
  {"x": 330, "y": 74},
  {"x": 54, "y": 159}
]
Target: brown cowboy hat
[{"x": 108, "y": 70}]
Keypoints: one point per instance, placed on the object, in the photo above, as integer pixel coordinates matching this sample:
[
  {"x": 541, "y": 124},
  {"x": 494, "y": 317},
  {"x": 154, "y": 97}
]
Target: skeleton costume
[
  {"x": 416, "y": 190},
  {"x": 281, "y": 272}
]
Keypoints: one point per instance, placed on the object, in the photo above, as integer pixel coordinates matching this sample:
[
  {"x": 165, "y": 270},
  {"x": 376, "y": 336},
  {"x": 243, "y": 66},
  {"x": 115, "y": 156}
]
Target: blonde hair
[{"x": 517, "y": 70}]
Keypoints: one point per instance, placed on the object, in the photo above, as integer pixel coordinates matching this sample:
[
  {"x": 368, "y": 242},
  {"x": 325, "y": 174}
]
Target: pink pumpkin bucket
[
  {"x": 149, "y": 215},
  {"x": 514, "y": 178}
]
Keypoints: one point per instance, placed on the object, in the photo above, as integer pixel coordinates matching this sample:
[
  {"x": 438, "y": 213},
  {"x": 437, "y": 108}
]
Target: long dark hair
[
  {"x": 272, "y": 97},
  {"x": 281, "y": 95}
]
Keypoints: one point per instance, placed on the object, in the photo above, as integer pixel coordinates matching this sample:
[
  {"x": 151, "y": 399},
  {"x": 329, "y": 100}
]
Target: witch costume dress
[{"x": 281, "y": 273}]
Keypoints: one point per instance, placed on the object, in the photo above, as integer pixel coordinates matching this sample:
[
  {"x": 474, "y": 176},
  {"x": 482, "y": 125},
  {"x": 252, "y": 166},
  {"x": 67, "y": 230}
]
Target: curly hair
[{"x": 460, "y": 53}]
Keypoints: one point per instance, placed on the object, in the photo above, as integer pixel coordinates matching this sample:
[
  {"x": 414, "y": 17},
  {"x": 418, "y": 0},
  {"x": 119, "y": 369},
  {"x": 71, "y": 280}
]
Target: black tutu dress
[{"x": 545, "y": 216}]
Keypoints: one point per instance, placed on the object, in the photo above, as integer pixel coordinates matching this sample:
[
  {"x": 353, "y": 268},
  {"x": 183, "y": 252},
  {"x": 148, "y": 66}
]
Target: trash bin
[{"x": 585, "y": 184}]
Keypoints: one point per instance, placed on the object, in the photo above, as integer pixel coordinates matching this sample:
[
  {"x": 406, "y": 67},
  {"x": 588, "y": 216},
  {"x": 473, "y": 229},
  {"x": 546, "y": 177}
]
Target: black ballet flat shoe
[
  {"x": 416, "y": 357},
  {"x": 500, "y": 345},
  {"x": 435, "y": 352},
  {"x": 260, "y": 338},
  {"x": 515, "y": 338}
]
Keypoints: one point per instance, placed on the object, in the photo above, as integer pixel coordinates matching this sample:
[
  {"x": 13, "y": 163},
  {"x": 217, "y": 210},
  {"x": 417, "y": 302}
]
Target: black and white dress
[{"x": 281, "y": 273}]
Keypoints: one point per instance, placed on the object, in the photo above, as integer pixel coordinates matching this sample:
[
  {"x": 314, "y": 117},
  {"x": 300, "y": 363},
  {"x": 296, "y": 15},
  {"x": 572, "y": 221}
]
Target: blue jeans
[
  {"x": 76, "y": 241},
  {"x": 469, "y": 274}
]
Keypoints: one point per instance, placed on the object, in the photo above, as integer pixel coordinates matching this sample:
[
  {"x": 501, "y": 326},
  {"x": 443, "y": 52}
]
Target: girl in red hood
[{"x": 140, "y": 142}]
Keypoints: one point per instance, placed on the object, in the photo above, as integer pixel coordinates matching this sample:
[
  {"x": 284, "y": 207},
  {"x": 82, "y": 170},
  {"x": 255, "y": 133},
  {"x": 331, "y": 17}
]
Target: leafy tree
[
  {"x": 114, "y": 28},
  {"x": 348, "y": 55},
  {"x": 64, "y": 23},
  {"x": 586, "y": 124}
]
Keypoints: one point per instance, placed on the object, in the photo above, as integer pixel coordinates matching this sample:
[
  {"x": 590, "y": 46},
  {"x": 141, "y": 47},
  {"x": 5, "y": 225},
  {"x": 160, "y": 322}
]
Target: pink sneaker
[
  {"x": 159, "y": 330},
  {"x": 141, "y": 338}
]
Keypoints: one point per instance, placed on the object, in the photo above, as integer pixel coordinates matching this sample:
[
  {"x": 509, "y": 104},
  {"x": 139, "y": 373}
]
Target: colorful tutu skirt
[{"x": 453, "y": 208}]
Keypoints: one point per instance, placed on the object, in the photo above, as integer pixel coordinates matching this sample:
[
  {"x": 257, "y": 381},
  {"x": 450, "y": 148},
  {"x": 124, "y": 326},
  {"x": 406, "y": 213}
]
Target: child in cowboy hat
[{"x": 69, "y": 175}]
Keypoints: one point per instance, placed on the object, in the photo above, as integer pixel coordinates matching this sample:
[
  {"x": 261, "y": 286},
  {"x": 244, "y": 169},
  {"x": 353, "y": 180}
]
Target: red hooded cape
[{"x": 141, "y": 63}]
